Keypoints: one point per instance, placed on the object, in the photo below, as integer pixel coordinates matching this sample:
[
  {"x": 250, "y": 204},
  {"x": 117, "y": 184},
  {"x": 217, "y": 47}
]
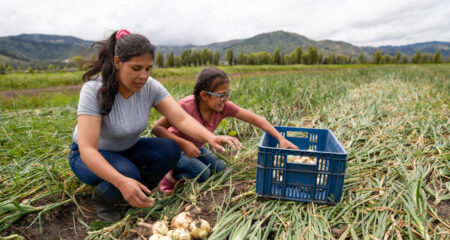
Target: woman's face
[{"x": 133, "y": 74}]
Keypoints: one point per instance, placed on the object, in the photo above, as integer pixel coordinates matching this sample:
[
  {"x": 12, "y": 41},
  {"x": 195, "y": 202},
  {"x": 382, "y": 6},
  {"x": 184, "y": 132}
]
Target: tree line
[{"x": 192, "y": 57}]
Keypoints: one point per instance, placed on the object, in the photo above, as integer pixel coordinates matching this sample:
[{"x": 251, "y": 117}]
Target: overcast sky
[{"x": 179, "y": 22}]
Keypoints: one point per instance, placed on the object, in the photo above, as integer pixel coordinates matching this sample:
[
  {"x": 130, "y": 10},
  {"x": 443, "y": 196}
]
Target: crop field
[{"x": 392, "y": 120}]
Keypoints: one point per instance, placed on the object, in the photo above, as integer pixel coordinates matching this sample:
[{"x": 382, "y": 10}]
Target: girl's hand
[
  {"x": 217, "y": 141},
  {"x": 286, "y": 144},
  {"x": 132, "y": 192},
  {"x": 190, "y": 149}
]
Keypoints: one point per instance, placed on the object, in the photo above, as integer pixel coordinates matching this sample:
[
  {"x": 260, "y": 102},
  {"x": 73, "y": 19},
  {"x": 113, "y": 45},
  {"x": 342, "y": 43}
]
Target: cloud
[{"x": 178, "y": 22}]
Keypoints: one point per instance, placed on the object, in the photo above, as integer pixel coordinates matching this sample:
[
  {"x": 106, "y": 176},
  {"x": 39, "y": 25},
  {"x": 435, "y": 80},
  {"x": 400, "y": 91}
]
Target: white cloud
[{"x": 374, "y": 22}]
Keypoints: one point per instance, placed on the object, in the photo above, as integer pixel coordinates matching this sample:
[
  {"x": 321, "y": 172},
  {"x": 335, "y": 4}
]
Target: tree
[
  {"x": 207, "y": 57},
  {"x": 361, "y": 58},
  {"x": 79, "y": 62},
  {"x": 416, "y": 58},
  {"x": 405, "y": 59},
  {"x": 313, "y": 55},
  {"x": 2, "y": 69},
  {"x": 216, "y": 58},
  {"x": 243, "y": 59},
  {"x": 159, "y": 60},
  {"x": 298, "y": 55},
  {"x": 170, "y": 60},
  {"x": 437, "y": 58},
  {"x": 229, "y": 57},
  {"x": 177, "y": 61},
  {"x": 50, "y": 67},
  {"x": 398, "y": 57},
  {"x": 277, "y": 57},
  {"x": 377, "y": 57}
]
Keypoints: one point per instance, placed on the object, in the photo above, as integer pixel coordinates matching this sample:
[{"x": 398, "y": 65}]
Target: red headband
[{"x": 121, "y": 33}]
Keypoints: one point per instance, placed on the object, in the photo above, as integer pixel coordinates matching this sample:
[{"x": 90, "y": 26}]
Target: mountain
[
  {"x": 411, "y": 49},
  {"x": 41, "y": 47},
  {"x": 268, "y": 42}
]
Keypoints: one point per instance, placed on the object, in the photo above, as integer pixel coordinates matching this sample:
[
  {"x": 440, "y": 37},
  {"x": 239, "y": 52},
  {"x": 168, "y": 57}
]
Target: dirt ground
[{"x": 66, "y": 222}]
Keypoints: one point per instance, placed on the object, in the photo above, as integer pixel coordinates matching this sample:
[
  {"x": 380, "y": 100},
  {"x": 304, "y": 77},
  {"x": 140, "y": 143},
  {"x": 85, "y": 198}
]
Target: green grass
[
  {"x": 392, "y": 120},
  {"x": 17, "y": 81}
]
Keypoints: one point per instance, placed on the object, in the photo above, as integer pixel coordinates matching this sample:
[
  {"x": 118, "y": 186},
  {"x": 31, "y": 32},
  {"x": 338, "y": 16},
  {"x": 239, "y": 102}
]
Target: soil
[
  {"x": 60, "y": 223},
  {"x": 65, "y": 222}
]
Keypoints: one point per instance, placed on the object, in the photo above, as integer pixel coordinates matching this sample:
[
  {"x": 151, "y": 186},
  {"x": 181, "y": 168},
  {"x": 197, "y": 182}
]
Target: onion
[
  {"x": 159, "y": 237},
  {"x": 179, "y": 234},
  {"x": 200, "y": 229},
  {"x": 182, "y": 220},
  {"x": 160, "y": 227}
]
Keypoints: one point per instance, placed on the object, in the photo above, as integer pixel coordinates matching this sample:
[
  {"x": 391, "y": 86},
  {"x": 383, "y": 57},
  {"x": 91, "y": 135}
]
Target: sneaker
[{"x": 166, "y": 185}]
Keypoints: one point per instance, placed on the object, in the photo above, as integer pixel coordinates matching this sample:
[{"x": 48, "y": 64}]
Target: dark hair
[
  {"x": 208, "y": 80},
  {"x": 127, "y": 47}
]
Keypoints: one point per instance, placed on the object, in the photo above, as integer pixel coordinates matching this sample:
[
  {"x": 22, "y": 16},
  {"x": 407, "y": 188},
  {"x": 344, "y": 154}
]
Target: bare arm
[
  {"x": 160, "y": 129},
  {"x": 176, "y": 115},
  {"x": 262, "y": 123},
  {"x": 88, "y": 137}
]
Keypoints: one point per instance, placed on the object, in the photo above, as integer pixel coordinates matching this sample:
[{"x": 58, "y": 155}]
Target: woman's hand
[
  {"x": 286, "y": 144},
  {"x": 217, "y": 141},
  {"x": 190, "y": 149},
  {"x": 132, "y": 192}
]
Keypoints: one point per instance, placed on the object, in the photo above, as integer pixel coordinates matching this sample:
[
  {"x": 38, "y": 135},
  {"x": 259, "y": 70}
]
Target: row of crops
[{"x": 392, "y": 120}]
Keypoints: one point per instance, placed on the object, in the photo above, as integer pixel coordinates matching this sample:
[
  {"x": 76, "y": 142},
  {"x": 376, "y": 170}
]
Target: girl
[
  {"x": 209, "y": 105},
  {"x": 113, "y": 111}
]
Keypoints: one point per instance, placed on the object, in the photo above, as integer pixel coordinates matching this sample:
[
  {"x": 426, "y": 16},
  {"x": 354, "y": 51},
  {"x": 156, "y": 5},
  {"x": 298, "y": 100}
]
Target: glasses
[{"x": 221, "y": 96}]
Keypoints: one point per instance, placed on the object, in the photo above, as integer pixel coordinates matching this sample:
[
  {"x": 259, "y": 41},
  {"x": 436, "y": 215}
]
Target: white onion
[
  {"x": 179, "y": 234},
  {"x": 200, "y": 229},
  {"x": 182, "y": 220},
  {"x": 160, "y": 227},
  {"x": 159, "y": 237}
]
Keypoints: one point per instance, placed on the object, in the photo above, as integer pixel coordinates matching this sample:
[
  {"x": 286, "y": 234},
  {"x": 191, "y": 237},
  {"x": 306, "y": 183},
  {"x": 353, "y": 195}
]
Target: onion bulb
[
  {"x": 179, "y": 234},
  {"x": 182, "y": 220},
  {"x": 200, "y": 229},
  {"x": 159, "y": 237},
  {"x": 160, "y": 227}
]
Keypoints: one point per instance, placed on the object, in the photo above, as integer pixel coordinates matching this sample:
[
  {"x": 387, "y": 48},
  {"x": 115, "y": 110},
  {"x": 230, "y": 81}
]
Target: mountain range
[{"x": 41, "y": 47}]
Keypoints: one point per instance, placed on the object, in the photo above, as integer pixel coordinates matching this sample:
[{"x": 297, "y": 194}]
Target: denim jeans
[
  {"x": 192, "y": 167},
  {"x": 153, "y": 155}
]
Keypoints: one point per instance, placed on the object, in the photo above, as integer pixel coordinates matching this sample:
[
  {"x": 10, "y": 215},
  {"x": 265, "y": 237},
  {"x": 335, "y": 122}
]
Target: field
[{"x": 393, "y": 121}]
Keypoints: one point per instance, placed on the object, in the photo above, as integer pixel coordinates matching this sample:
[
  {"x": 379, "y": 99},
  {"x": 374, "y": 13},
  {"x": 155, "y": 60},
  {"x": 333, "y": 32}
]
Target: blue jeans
[
  {"x": 192, "y": 167},
  {"x": 152, "y": 155}
]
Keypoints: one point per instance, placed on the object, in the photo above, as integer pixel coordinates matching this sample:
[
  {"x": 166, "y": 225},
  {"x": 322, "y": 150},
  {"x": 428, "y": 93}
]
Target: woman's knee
[
  {"x": 220, "y": 166},
  {"x": 204, "y": 175},
  {"x": 171, "y": 152}
]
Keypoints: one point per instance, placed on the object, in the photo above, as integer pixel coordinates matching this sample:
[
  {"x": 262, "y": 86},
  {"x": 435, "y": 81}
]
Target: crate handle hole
[{"x": 299, "y": 134}]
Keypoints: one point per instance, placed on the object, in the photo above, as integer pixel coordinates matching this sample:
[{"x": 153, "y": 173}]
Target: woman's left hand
[
  {"x": 286, "y": 144},
  {"x": 217, "y": 141}
]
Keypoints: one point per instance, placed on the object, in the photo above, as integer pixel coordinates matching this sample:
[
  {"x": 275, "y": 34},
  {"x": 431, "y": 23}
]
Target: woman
[{"x": 113, "y": 111}]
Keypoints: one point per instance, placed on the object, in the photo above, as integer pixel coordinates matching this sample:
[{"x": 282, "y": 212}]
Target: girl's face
[
  {"x": 133, "y": 74},
  {"x": 214, "y": 102}
]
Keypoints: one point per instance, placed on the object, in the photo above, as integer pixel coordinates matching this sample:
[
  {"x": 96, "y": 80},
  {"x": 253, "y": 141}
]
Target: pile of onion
[{"x": 184, "y": 227}]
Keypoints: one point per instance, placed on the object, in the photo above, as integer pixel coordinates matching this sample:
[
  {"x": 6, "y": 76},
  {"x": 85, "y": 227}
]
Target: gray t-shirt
[{"x": 122, "y": 127}]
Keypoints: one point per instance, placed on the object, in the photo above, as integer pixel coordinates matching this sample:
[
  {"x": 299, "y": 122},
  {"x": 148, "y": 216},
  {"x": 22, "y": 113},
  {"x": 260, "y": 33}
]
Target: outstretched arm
[
  {"x": 176, "y": 115},
  {"x": 262, "y": 123}
]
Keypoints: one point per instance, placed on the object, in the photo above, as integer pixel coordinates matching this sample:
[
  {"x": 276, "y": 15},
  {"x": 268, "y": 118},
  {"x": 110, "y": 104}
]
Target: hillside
[{"x": 41, "y": 47}]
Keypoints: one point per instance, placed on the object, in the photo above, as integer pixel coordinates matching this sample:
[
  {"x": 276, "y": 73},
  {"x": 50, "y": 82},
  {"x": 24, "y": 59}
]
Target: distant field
[
  {"x": 15, "y": 81},
  {"x": 393, "y": 120}
]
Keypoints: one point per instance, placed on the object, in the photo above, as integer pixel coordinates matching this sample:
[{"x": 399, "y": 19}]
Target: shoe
[
  {"x": 106, "y": 209},
  {"x": 166, "y": 185}
]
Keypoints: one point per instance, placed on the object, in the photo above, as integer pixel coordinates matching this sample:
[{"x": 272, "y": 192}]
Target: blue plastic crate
[{"x": 320, "y": 182}]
